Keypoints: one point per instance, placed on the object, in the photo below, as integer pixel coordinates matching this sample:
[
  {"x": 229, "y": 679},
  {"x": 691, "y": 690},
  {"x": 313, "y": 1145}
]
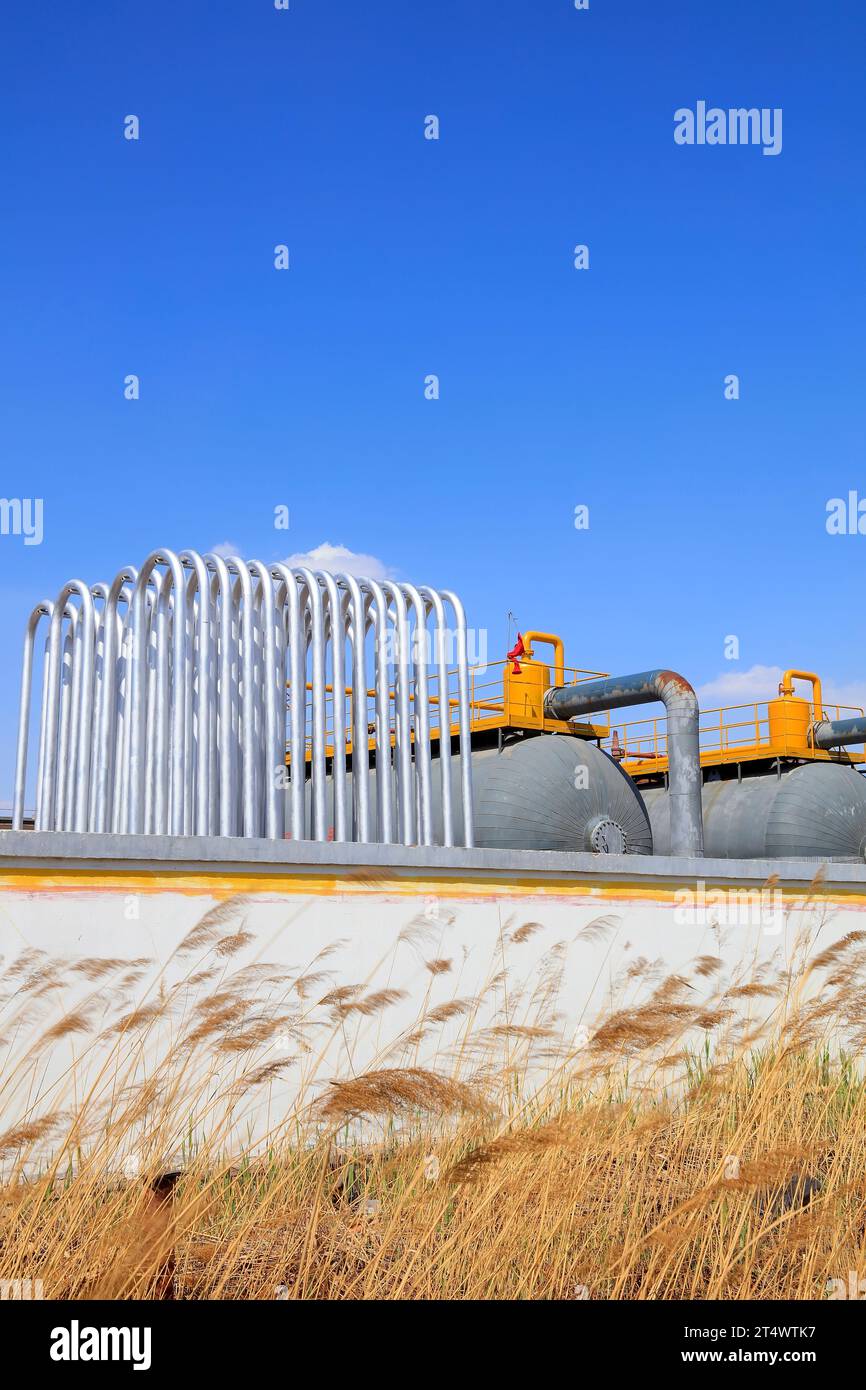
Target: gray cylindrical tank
[
  {"x": 550, "y": 792},
  {"x": 815, "y": 810},
  {"x": 557, "y": 792}
]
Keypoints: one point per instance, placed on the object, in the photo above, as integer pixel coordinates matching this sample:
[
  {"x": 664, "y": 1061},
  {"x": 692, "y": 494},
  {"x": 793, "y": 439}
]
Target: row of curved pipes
[{"x": 170, "y": 698}]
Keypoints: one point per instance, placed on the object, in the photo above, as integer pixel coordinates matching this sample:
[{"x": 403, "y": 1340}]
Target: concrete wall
[{"x": 544, "y": 944}]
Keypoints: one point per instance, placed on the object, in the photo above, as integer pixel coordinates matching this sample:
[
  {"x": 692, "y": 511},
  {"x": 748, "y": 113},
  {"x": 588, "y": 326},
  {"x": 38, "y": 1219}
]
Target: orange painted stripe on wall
[{"x": 219, "y": 885}]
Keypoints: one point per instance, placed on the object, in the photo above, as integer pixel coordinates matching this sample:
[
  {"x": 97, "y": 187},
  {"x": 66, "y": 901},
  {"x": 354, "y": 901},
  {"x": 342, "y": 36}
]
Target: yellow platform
[{"x": 508, "y": 697}]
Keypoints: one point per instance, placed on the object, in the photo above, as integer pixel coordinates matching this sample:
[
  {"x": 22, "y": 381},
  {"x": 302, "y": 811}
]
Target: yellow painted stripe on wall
[{"x": 219, "y": 885}]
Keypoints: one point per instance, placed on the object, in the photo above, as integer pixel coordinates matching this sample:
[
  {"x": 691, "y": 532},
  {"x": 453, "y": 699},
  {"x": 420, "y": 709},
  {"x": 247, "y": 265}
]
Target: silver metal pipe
[
  {"x": 81, "y": 735},
  {"x": 184, "y": 609},
  {"x": 107, "y": 714},
  {"x": 70, "y": 677},
  {"x": 246, "y": 696},
  {"x": 43, "y": 732},
  {"x": 337, "y": 635},
  {"x": 175, "y": 581},
  {"x": 42, "y": 610},
  {"x": 158, "y": 599},
  {"x": 83, "y": 706},
  {"x": 465, "y": 720},
  {"x": 274, "y": 733},
  {"x": 318, "y": 766},
  {"x": 199, "y": 593},
  {"x": 289, "y": 605},
  {"x": 421, "y": 712},
  {"x": 683, "y": 716},
  {"x": 99, "y": 594},
  {"x": 120, "y": 798},
  {"x": 402, "y": 720},
  {"x": 360, "y": 738},
  {"x": 221, "y": 592},
  {"x": 435, "y": 603},
  {"x": 384, "y": 798}
]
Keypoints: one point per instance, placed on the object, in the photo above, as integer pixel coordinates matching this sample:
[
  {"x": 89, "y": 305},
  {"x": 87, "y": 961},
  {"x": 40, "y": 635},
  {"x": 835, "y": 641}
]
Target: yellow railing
[
  {"x": 728, "y": 730},
  {"x": 499, "y": 698},
  {"x": 487, "y": 703}
]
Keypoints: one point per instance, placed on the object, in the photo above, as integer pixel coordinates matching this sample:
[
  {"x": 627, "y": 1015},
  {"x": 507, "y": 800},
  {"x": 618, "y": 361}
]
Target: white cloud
[
  {"x": 854, "y": 693},
  {"x": 225, "y": 549},
  {"x": 741, "y": 687},
  {"x": 338, "y": 559},
  {"x": 761, "y": 683}
]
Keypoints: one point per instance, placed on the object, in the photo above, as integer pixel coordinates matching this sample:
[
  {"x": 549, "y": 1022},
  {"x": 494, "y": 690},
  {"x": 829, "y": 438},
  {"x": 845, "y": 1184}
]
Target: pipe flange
[{"x": 606, "y": 836}]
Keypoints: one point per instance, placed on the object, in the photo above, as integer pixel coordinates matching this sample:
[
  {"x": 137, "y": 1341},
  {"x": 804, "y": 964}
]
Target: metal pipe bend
[{"x": 683, "y": 718}]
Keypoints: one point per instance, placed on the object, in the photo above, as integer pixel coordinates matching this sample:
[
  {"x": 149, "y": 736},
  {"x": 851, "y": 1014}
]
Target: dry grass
[{"x": 683, "y": 1149}]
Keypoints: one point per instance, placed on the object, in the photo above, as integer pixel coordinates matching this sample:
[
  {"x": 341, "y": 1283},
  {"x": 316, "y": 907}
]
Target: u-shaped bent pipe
[{"x": 683, "y": 717}]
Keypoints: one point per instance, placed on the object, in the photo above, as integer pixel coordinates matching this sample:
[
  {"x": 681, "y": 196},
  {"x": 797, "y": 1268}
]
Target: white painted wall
[{"x": 567, "y": 974}]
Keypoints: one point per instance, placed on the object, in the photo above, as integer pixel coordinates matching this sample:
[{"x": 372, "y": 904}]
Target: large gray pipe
[
  {"x": 832, "y": 733},
  {"x": 684, "y": 763}
]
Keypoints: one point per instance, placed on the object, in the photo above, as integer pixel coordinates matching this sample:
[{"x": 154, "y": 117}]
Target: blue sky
[{"x": 455, "y": 257}]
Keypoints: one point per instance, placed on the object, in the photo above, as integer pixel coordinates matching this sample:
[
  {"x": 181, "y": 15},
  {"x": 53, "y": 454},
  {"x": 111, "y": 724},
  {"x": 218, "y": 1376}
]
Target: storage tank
[
  {"x": 548, "y": 792},
  {"x": 814, "y": 810},
  {"x": 557, "y": 792}
]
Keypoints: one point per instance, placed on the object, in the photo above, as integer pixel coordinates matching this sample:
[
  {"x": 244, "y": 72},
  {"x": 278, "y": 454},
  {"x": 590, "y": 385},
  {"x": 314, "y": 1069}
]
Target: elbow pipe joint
[{"x": 683, "y": 716}]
